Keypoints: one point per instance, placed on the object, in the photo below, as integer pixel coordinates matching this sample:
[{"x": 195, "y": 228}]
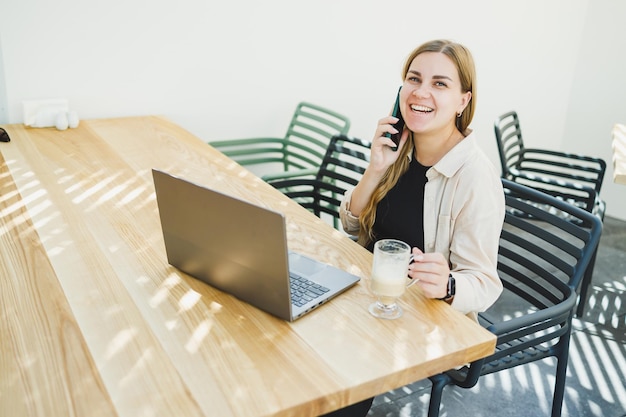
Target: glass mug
[{"x": 389, "y": 277}]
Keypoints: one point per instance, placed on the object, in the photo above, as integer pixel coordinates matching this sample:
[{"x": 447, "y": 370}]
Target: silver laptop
[{"x": 241, "y": 248}]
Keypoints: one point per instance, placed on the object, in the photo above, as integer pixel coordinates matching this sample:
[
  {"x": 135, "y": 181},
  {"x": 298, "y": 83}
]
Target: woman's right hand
[{"x": 382, "y": 156}]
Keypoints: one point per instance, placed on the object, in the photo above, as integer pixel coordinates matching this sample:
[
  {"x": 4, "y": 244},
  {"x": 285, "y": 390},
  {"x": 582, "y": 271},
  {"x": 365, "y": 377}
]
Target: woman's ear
[{"x": 465, "y": 99}]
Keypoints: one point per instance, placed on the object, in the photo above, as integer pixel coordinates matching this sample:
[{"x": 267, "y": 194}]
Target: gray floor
[{"x": 596, "y": 375}]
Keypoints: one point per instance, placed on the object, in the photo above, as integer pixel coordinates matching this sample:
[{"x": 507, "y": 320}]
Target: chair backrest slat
[
  {"x": 302, "y": 148},
  {"x": 309, "y": 133},
  {"x": 561, "y": 170},
  {"x": 342, "y": 166}
]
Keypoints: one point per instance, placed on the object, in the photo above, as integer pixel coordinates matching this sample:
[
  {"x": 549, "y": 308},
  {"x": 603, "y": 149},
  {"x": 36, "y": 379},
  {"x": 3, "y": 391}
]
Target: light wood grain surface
[{"x": 94, "y": 322}]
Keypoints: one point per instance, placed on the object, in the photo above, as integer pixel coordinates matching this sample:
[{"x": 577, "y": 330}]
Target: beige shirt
[{"x": 463, "y": 217}]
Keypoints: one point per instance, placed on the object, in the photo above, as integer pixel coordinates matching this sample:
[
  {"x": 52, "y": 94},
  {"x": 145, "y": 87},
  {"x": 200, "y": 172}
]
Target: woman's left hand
[{"x": 432, "y": 271}]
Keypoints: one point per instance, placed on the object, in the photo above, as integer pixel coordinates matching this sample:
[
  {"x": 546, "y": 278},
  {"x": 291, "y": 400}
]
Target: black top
[{"x": 400, "y": 214}]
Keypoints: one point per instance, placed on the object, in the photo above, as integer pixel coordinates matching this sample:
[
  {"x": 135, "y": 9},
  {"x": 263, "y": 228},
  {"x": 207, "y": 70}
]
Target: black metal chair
[
  {"x": 542, "y": 260},
  {"x": 299, "y": 152},
  {"x": 344, "y": 163},
  {"x": 576, "y": 179}
]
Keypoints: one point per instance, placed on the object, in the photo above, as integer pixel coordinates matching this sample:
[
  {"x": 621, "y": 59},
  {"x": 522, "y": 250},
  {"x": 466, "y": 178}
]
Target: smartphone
[{"x": 399, "y": 125}]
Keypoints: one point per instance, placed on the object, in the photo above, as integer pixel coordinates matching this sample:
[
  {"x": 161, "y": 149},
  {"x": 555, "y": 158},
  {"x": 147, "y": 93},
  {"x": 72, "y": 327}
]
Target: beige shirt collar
[{"x": 455, "y": 158}]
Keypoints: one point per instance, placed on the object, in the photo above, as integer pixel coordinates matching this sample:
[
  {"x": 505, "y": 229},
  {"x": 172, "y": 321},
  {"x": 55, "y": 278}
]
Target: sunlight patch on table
[
  {"x": 120, "y": 341},
  {"x": 188, "y": 300}
]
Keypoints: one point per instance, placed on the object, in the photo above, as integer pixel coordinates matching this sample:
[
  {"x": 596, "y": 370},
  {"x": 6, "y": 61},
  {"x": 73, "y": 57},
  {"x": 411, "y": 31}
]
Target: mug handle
[{"x": 411, "y": 280}]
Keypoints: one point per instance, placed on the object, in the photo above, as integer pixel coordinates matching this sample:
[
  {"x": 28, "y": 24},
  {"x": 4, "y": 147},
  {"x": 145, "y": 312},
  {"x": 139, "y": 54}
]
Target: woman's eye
[{"x": 440, "y": 84}]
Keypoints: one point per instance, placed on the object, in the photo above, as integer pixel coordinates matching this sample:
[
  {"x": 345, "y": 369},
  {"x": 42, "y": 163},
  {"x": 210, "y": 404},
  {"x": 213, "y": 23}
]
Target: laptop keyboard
[{"x": 303, "y": 290}]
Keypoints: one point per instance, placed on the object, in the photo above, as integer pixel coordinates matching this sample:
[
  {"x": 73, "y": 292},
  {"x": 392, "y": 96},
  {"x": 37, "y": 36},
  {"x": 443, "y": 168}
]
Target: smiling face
[{"x": 431, "y": 95}]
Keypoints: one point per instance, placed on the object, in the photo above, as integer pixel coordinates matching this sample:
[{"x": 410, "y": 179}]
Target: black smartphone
[{"x": 399, "y": 125}]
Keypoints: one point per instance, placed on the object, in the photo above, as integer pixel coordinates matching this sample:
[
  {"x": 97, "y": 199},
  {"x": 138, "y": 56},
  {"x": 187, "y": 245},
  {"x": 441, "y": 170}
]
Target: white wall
[
  {"x": 238, "y": 68},
  {"x": 596, "y": 100}
]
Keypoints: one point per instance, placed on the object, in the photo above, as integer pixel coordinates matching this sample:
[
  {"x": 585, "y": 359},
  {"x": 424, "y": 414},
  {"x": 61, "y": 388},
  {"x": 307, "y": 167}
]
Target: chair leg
[
  {"x": 584, "y": 286},
  {"x": 561, "y": 371},
  {"x": 439, "y": 382}
]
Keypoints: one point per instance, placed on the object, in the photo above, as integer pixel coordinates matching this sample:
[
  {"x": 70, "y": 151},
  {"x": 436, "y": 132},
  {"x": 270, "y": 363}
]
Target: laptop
[{"x": 241, "y": 248}]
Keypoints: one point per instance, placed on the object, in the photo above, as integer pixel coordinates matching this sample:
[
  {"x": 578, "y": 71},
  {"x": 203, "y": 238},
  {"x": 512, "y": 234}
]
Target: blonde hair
[{"x": 464, "y": 63}]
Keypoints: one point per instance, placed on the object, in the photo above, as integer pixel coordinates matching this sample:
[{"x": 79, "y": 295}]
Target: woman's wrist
[{"x": 450, "y": 289}]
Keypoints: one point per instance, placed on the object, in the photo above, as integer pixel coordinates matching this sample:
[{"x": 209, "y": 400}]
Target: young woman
[{"x": 438, "y": 192}]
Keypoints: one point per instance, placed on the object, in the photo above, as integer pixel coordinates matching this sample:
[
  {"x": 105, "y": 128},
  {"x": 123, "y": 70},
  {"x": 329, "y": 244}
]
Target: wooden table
[
  {"x": 94, "y": 322},
  {"x": 619, "y": 153}
]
